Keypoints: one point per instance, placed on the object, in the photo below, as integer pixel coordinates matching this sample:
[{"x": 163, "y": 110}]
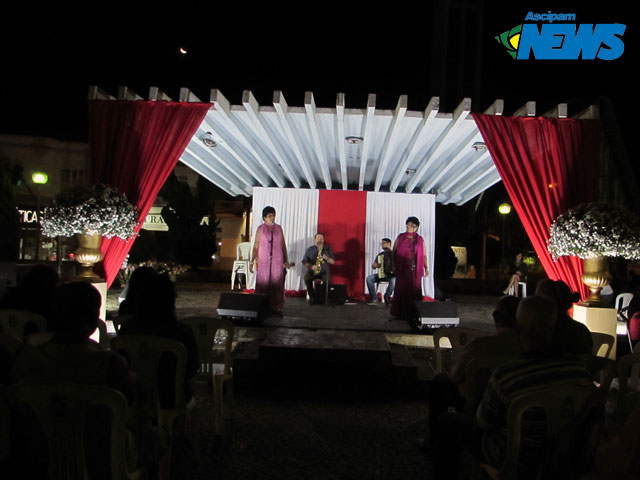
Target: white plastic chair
[
  {"x": 521, "y": 286},
  {"x": 622, "y": 305},
  {"x": 241, "y": 263}
]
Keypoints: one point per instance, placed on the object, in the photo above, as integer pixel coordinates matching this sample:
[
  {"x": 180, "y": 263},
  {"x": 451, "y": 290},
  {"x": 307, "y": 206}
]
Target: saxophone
[{"x": 319, "y": 261}]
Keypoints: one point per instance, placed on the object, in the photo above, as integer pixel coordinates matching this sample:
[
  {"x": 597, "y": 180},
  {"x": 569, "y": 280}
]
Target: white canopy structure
[{"x": 238, "y": 147}]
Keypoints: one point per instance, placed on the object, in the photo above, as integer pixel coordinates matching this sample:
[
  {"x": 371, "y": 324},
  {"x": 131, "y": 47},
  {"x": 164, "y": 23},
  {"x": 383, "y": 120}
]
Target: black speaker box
[
  {"x": 435, "y": 314},
  {"x": 337, "y": 294},
  {"x": 244, "y": 306}
]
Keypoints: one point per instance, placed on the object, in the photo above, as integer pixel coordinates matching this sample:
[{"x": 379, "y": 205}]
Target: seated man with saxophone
[
  {"x": 384, "y": 264},
  {"x": 317, "y": 259}
]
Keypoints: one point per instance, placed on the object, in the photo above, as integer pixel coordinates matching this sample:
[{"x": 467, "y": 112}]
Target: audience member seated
[
  {"x": 569, "y": 336},
  {"x": 71, "y": 356},
  {"x": 444, "y": 390},
  {"x": 139, "y": 277},
  {"x": 155, "y": 314},
  {"x": 485, "y": 435},
  {"x": 34, "y": 294}
]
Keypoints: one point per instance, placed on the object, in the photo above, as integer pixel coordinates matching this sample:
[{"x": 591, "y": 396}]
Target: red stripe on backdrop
[{"x": 342, "y": 218}]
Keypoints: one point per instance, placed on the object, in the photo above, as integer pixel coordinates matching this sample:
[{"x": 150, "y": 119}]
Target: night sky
[{"x": 50, "y": 57}]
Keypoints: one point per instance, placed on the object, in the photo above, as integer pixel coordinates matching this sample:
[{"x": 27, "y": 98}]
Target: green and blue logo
[{"x": 563, "y": 41}]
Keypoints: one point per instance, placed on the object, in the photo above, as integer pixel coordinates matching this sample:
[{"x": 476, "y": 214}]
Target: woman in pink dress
[
  {"x": 269, "y": 257},
  {"x": 410, "y": 258}
]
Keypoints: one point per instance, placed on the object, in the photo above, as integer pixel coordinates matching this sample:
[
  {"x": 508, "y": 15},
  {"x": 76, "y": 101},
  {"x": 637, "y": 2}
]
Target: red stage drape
[
  {"x": 341, "y": 218},
  {"x": 547, "y": 165},
  {"x": 134, "y": 146}
]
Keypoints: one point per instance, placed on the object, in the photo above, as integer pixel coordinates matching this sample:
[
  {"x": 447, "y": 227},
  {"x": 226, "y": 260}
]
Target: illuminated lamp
[
  {"x": 39, "y": 178},
  {"x": 504, "y": 209}
]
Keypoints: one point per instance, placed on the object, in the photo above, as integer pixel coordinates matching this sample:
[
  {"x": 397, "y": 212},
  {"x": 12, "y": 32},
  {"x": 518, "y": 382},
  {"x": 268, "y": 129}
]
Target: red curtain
[
  {"x": 134, "y": 146},
  {"x": 341, "y": 218},
  {"x": 547, "y": 165}
]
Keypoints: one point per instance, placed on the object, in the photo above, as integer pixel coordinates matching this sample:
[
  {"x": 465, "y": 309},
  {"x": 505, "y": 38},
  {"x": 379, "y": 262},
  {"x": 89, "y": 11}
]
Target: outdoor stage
[
  {"x": 341, "y": 344},
  {"x": 355, "y": 339}
]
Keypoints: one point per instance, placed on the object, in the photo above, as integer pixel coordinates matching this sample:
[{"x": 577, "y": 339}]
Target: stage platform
[{"x": 355, "y": 339}]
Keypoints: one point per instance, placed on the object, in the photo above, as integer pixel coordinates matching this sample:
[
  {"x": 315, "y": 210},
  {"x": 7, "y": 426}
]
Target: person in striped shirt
[{"x": 541, "y": 366}]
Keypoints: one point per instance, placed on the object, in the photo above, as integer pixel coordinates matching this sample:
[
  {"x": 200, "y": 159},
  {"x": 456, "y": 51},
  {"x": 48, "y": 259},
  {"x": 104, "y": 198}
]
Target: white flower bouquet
[
  {"x": 95, "y": 210},
  {"x": 593, "y": 230}
]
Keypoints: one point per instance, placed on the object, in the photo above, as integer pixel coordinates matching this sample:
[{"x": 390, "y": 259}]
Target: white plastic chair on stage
[{"x": 241, "y": 263}]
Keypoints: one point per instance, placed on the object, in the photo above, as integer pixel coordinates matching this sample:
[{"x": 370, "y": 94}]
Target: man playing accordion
[{"x": 384, "y": 264}]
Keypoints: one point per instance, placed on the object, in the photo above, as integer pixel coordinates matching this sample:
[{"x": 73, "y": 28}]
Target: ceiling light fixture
[
  {"x": 353, "y": 140},
  {"x": 209, "y": 141},
  {"x": 410, "y": 171},
  {"x": 479, "y": 146}
]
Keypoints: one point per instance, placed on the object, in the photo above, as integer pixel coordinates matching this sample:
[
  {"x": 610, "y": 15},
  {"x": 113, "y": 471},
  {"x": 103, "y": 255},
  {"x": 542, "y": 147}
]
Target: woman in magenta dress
[
  {"x": 269, "y": 257},
  {"x": 411, "y": 265}
]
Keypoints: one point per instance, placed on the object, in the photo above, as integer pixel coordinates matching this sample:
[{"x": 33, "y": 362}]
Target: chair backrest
[
  {"x": 205, "y": 330},
  {"x": 623, "y": 300},
  {"x": 629, "y": 373},
  {"x": 602, "y": 370},
  {"x": 477, "y": 374},
  {"x": 601, "y": 340},
  {"x": 13, "y": 322},
  {"x": 103, "y": 340},
  {"x": 243, "y": 251},
  {"x": 62, "y": 410},
  {"x": 568, "y": 410},
  {"x": 145, "y": 353},
  {"x": 458, "y": 337}
]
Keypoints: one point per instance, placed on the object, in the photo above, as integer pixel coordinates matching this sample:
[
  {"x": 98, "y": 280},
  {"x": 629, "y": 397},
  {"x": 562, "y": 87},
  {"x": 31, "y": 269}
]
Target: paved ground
[{"x": 362, "y": 429}]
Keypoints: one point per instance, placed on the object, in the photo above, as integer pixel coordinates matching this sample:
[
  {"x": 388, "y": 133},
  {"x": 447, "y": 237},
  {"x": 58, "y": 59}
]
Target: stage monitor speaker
[
  {"x": 430, "y": 315},
  {"x": 337, "y": 294},
  {"x": 251, "y": 307}
]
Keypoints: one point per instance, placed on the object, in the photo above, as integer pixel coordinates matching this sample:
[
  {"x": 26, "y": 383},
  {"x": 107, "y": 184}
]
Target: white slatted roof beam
[
  {"x": 592, "y": 112},
  {"x": 218, "y": 154},
  {"x": 157, "y": 95},
  {"x": 527, "y": 110},
  {"x": 253, "y": 108},
  {"x": 187, "y": 96},
  {"x": 429, "y": 114},
  {"x": 463, "y": 153},
  {"x": 282, "y": 109},
  {"x": 390, "y": 140},
  {"x": 125, "y": 93},
  {"x": 310, "y": 108},
  {"x": 473, "y": 167},
  {"x": 496, "y": 108},
  {"x": 459, "y": 194},
  {"x": 199, "y": 156},
  {"x": 459, "y": 116},
  {"x": 484, "y": 182},
  {"x": 209, "y": 174},
  {"x": 246, "y": 166},
  {"x": 559, "y": 111},
  {"x": 342, "y": 157},
  {"x": 367, "y": 127},
  {"x": 223, "y": 109},
  {"x": 96, "y": 93}
]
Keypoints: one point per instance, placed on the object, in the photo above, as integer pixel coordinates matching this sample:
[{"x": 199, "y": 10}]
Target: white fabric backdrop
[
  {"x": 297, "y": 214},
  {"x": 386, "y": 216}
]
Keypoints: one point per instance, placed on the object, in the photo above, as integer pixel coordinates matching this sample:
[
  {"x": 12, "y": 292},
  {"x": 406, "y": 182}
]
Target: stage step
[{"x": 330, "y": 357}]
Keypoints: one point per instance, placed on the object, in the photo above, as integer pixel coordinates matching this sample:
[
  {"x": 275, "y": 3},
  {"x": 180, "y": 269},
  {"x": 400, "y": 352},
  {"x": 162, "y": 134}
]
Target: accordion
[{"x": 382, "y": 275}]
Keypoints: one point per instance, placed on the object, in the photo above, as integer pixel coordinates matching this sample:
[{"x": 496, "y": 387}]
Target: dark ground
[{"x": 331, "y": 423}]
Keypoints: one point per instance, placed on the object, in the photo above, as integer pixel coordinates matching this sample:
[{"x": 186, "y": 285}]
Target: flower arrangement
[
  {"x": 96, "y": 210},
  {"x": 127, "y": 269},
  {"x": 595, "y": 230}
]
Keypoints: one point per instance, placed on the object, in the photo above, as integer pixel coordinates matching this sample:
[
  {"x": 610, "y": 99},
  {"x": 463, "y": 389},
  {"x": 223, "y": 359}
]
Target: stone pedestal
[
  {"x": 102, "y": 288},
  {"x": 598, "y": 319}
]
